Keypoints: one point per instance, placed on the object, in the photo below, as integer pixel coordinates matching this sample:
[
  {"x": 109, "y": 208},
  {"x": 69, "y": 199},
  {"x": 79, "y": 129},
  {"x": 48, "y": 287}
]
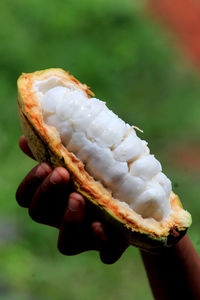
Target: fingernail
[
  {"x": 55, "y": 178},
  {"x": 63, "y": 173},
  {"x": 42, "y": 171},
  {"x": 99, "y": 232},
  {"x": 74, "y": 205}
]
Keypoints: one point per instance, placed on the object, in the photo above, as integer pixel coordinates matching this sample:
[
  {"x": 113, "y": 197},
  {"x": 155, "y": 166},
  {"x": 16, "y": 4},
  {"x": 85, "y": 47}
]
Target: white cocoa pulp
[{"x": 110, "y": 149}]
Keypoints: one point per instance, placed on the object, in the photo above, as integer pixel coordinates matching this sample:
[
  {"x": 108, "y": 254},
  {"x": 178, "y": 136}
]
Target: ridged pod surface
[{"x": 61, "y": 146}]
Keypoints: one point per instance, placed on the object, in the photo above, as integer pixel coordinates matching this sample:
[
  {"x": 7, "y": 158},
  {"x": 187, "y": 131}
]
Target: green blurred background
[{"x": 130, "y": 62}]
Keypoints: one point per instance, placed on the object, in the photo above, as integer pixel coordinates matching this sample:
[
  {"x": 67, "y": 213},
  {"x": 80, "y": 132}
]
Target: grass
[{"x": 130, "y": 62}]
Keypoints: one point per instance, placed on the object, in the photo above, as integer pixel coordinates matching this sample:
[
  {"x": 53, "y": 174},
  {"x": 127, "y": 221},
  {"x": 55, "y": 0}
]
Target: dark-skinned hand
[{"x": 51, "y": 199}]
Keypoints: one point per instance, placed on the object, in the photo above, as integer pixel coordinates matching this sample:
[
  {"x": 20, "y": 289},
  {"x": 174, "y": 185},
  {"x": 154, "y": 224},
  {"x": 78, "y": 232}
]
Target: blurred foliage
[{"x": 130, "y": 62}]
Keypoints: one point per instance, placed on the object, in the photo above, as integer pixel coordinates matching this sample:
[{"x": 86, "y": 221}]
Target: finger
[
  {"x": 24, "y": 147},
  {"x": 50, "y": 200},
  {"x": 30, "y": 183},
  {"x": 99, "y": 232},
  {"x": 110, "y": 242},
  {"x": 75, "y": 235}
]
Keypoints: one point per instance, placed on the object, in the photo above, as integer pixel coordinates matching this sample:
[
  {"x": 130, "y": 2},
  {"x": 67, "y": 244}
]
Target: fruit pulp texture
[{"x": 109, "y": 148}]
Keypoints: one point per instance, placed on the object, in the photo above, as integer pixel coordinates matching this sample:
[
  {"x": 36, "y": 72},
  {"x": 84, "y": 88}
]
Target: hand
[{"x": 51, "y": 199}]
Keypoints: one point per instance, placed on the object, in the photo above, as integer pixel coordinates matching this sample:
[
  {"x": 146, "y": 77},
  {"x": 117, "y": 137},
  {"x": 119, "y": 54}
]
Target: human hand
[{"x": 51, "y": 199}]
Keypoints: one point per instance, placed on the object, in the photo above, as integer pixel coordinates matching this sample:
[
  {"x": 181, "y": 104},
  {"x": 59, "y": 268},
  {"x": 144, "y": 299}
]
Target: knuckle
[
  {"x": 69, "y": 243},
  {"x": 34, "y": 214},
  {"x": 65, "y": 249},
  {"x": 21, "y": 197},
  {"x": 18, "y": 197},
  {"x": 107, "y": 258},
  {"x": 37, "y": 213},
  {"x": 108, "y": 261}
]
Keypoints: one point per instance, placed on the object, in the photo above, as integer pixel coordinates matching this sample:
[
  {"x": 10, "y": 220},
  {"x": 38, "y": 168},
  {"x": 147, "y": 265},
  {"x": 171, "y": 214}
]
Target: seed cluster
[{"x": 109, "y": 148}]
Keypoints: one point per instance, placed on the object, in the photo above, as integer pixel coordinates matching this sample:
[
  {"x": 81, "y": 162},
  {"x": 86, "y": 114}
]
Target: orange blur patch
[{"x": 182, "y": 17}]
